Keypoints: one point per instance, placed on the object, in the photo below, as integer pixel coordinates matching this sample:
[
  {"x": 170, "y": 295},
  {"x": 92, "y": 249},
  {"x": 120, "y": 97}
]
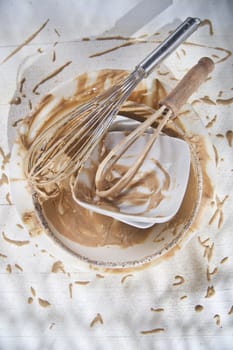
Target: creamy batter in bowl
[{"x": 76, "y": 234}]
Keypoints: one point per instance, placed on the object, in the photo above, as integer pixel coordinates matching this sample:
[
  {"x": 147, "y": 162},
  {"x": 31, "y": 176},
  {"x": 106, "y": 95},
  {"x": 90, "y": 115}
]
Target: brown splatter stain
[
  {"x": 54, "y": 56},
  {"x": 5, "y": 157},
  {"x": 207, "y": 100},
  {"x": 15, "y": 101},
  {"x": 4, "y": 179},
  {"x": 17, "y": 266},
  {"x": 44, "y": 303},
  {"x": 58, "y": 267},
  {"x": 162, "y": 73},
  {"x": 125, "y": 277},
  {"x": 208, "y": 23},
  {"x": 97, "y": 319},
  {"x": 224, "y": 102},
  {"x": 151, "y": 331},
  {"x": 156, "y": 33},
  {"x": 40, "y": 50},
  {"x": 30, "y": 300},
  {"x": 194, "y": 102},
  {"x": 114, "y": 37},
  {"x": 15, "y": 124},
  {"x": 220, "y": 135},
  {"x": 211, "y": 122},
  {"x": 210, "y": 274},
  {"x": 50, "y": 76},
  {"x": 183, "y": 52},
  {"x": 33, "y": 291},
  {"x": 183, "y": 297},
  {"x": 215, "y": 56},
  {"x": 30, "y": 219},
  {"x": 12, "y": 241},
  {"x": 208, "y": 252},
  {"x": 20, "y": 226},
  {"x": 8, "y": 199},
  {"x": 229, "y": 136},
  {"x": 71, "y": 290},
  {"x": 217, "y": 319},
  {"x": 158, "y": 240},
  {"x": 159, "y": 309},
  {"x": 98, "y": 275},
  {"x": 216, "y": 155},
  {"x": 129, "y": 42},
  {"x": 199, "y": 308},
  {"x": 180, "y": 280},
  {"x": 174, "y": 78},
  {"x": 8, "y": 268},
  {"x": 82, "y": 283},
  {"x": 230, "y": 312},
  {"x": 52, "y": 325},
  {"x": 210, "y": 292},
  {"x": 57, "y": 32},
  {"x": 21, "y": 85},
  {"x": 227, "y": 52},
  {"x": 28, "y": 40},
  {"x": 224, "y": 260},
  {"x": 203, "y": 243},
  {"x": 218, "y": 212},
  {"x": 3, "y": 256},
  {"x": 30, "y": 104}
]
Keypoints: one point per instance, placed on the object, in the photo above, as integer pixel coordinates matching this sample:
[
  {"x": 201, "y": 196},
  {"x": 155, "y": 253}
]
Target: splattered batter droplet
[
  {"x": 217, "y": 319},
  {"x": 125, "y": 277},
  {"x": 151, "y": 331},
  {"x": 159, "y": 309},
  {"x": 199, "y": 308},
  {"x": 33, "y": 291},
  {"x": 210, "y": 292},
  {"x": 97, "y": 319},
  {"x": 224, "y": 260},
  {"x": 43, "y": 303},
  {"x": 58, "y": 267},
  {"x": 179, "y": 279},
  {"x": 71, "y": 290}
]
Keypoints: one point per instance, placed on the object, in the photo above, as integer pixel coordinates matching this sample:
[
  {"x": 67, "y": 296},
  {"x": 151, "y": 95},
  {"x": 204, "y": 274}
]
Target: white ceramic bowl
[{"x": 159, "y": 240}]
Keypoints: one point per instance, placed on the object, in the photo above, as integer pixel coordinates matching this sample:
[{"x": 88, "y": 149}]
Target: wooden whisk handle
[{"x": 188, "y": 85}]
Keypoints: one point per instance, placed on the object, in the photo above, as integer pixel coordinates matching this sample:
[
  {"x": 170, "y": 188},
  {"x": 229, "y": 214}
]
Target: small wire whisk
[
  {"x": 170, "y": 106},
  {"x": 61, "y": 149}
]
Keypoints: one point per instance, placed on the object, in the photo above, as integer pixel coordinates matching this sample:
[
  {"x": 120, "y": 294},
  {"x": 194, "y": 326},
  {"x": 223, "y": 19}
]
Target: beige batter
[{"x": 91, "y": 229}]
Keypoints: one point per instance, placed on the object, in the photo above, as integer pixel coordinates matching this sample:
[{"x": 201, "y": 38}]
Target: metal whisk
[
  {"x": 64, "y": 146},
  {"x": 170, "y": 106}
]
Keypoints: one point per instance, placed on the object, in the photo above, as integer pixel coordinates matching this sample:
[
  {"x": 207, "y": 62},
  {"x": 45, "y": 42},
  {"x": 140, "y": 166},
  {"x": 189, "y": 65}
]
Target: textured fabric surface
[{"x": 185, "y": 302}]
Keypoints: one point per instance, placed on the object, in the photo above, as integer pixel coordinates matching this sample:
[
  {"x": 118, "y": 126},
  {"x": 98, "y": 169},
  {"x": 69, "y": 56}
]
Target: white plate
[{"x": 173, "y": 156}]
